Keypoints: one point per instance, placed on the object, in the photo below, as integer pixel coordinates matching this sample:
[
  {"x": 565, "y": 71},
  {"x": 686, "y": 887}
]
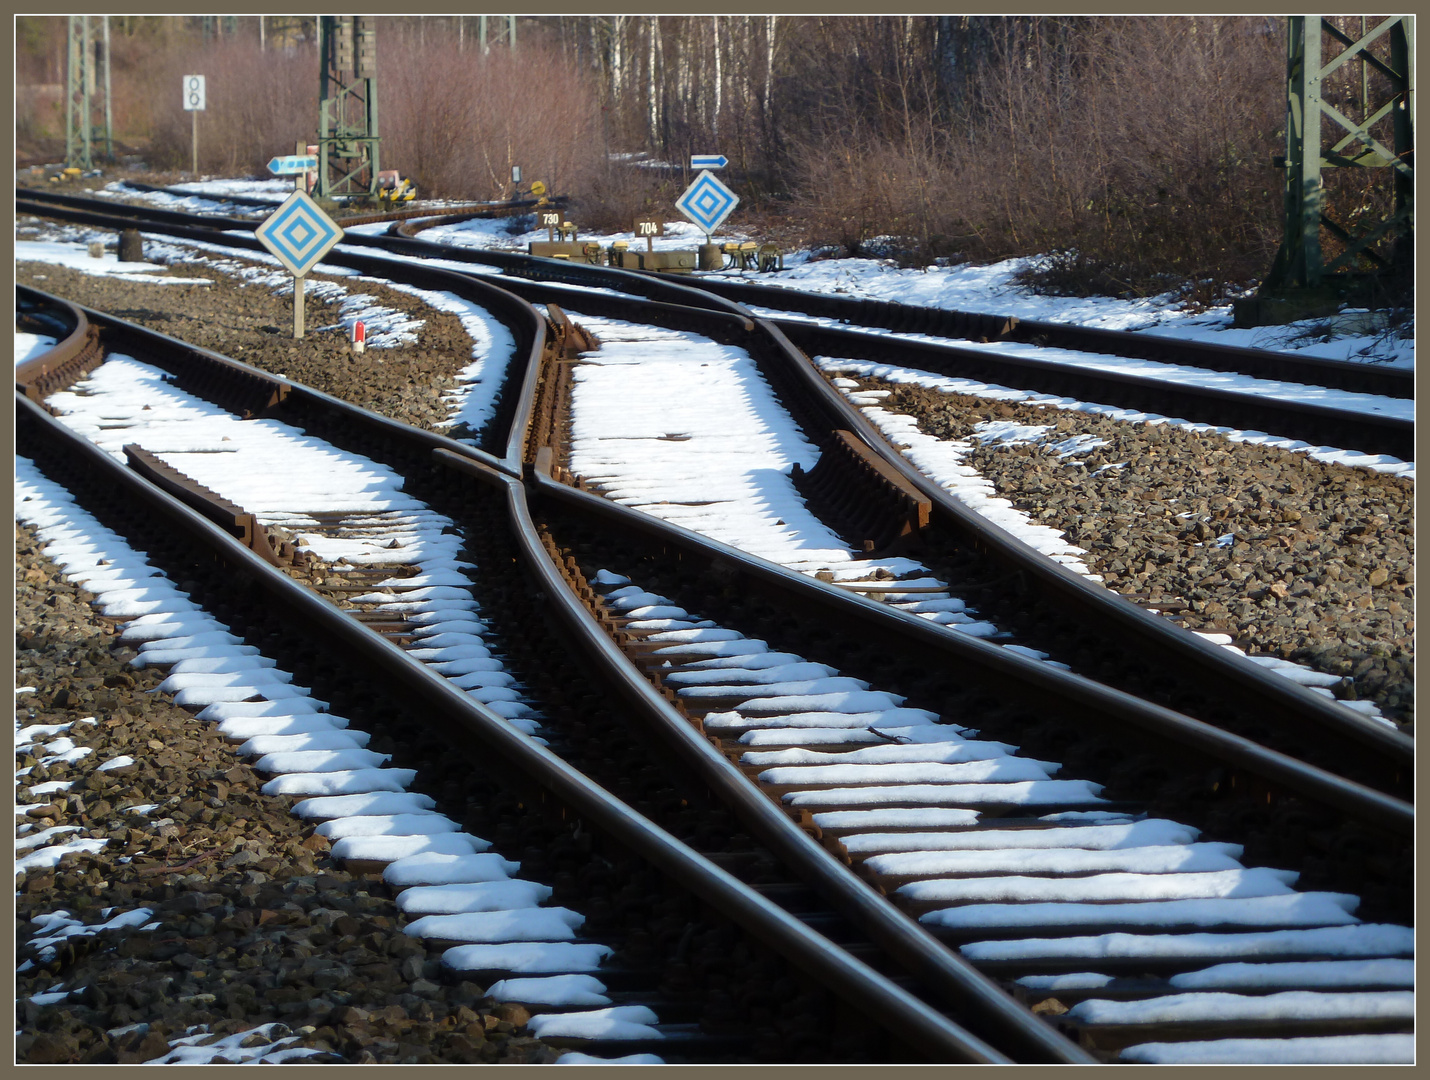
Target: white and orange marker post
[{"x": 359, "y": 336}]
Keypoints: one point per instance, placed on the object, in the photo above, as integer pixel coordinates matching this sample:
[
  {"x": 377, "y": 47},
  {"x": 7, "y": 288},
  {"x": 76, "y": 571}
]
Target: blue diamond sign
[
  {"x": 298, "y": 233},
  {"x": 707, "y": 202}
]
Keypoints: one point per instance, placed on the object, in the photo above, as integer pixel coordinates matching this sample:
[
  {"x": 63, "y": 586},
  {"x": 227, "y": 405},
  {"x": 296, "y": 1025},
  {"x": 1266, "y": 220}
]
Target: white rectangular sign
[{"x": 193, "y": 93}]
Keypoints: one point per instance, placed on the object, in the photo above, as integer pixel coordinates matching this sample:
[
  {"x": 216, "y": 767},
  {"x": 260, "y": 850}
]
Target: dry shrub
[
  {"x": 258, "y": 103},
  {"x": 884, "y": 198},
  {"x": 616, "y": 195},
  {"x": 1138, "y": 148},
  {"x": 456, "y": 121}
]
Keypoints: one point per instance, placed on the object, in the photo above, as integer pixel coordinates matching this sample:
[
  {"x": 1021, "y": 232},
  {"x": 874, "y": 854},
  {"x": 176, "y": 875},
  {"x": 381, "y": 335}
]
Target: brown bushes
[
  {"x": 258, "y": 103},
  {"x": 456, "y": 121},
  {"x": 453, "y": 120},
  {"x": 1138, "y": 148},
  {"x": 1132, "y": 151}
]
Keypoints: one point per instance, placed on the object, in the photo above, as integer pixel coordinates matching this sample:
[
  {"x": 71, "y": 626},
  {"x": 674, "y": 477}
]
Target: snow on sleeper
[
  {"x": 362, "y": 803},
  {"x": 906, "y": 793}
]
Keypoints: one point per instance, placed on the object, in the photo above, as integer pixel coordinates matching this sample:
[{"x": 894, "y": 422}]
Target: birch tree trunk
[
  {"x": 618, "y": 64},
  {"x": 769, "y": 61},
  {"x": 715, "y": 118},
  {"x": 652, "y": 101}
]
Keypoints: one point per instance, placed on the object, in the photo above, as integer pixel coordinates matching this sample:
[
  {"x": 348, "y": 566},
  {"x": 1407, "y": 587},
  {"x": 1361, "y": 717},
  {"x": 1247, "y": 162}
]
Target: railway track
[
  {"x": 1074, "y": 620},
  {"x": 623, "y": 849},
  {"x": 899, "y": 804},
  {"x": 179, "y": 217},
  {"x": 818, "y": 311},
  {"x": 985, "y": 329},
  {"x": 462, "y": 212}
]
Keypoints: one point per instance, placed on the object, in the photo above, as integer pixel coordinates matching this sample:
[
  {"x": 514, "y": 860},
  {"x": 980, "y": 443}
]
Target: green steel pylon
[
  {"x": 83, "y": 61},
  {"x": 347, "y": 106},
  {"x": 1356, "y": 145},
  {"x": 507, "y": 33},
  {"x": 79, "y": 89}
]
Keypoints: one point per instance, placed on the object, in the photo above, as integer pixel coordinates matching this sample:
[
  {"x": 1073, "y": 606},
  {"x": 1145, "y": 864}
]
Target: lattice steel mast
[
  {"x": 1359, "y": 143},
  {"x": 82, "y": 60},
  {"x": 347, "y": 106},
  {"x": 500, "y": 33}
]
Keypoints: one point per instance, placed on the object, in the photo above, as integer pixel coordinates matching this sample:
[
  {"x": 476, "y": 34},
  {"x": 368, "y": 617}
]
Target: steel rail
[
  {"x": 462, "y": 212},
  {"x": 820, "y": 408},
  {"x": 978, "y": 326},
  {"x": 387, "y": 261},
  {"x": 476, "y": 725},
  {"x": 1395, "y": 817},
  {"x": 1166, "y": 349},
  {"x": 570, "y": 272},
  {"x": 1006, "y": 669},
  {"x": 174, "y": 356},
  {"x": 1003, "y": 667},
  {"x": 992, "y": 664},
  {"x": 110, "y": 215},
  {"x": 528, "y": 328},
  {"x": 1318, "y": 424},
  {"x": 1314, "y": 423},
  {"x": 954, "y": 983},
  {"x": 708, "y": 291},
  {"x": 43, "y": 200},
  {"x": 1271, "y": 694},
  {"x": 177, "y": 217},
  {"x": 71, "y": 356}
]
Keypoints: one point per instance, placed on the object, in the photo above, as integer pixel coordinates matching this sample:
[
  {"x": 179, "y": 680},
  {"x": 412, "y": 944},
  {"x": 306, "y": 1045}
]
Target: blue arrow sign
[
  {"x": 298, "y": 233},
  {"x": 292, "y": 163},
  {"x": 707, "y": 202},
  {"x": 708, "y": 161}
]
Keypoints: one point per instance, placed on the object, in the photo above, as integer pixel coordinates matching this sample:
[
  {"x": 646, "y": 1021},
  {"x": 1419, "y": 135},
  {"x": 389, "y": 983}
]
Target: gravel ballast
[
  {"x": 252, "y": 323},
  {"x": 256, "y": 924},
  {"x": 1293, "y": 558},
  {"x": 1319, "y": 568}
]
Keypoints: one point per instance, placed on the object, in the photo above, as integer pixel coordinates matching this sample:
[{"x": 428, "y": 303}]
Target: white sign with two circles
[{"x": 193, "y": 93}]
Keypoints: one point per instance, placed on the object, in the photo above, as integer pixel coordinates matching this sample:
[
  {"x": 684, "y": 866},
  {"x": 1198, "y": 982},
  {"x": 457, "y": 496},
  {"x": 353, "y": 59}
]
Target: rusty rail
[
  {"x": 869, "y": 499},
  {"x": 230, "y": 517},
  {"x": 70, "y": 360}
]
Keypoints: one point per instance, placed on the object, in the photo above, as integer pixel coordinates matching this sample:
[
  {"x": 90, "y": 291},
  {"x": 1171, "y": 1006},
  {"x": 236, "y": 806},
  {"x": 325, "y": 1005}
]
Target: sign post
[
  {"x": 194, "y": 103},
  {"x": 298, "y": 234}
]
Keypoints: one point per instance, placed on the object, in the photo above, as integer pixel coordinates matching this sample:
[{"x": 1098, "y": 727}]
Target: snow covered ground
[
  {"x": 209, "y": 196},
  {"x": 688, "y": 430},
  {"x": 472, "y": 404},
  {"x": 29, "y": 346},
  {"x": 909, "y": 435},
  {"x": 75, "y": 255},
  {"x": 789, "y": 695},
  {"x": 456, "y": 887},
  {"x": 991, "y": 289}
]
